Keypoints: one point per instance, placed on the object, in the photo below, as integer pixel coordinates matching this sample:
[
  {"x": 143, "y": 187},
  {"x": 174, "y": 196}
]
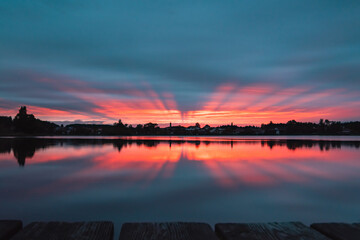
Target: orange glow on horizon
[{"x": 242, "y": 105}]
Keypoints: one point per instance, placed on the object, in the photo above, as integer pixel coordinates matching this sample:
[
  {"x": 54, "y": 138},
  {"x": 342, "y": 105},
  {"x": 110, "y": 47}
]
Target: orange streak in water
[{"x": 230, "y": 165}]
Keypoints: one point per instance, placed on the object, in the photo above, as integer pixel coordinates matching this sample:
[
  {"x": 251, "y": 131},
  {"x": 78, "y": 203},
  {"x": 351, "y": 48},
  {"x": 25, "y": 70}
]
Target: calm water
[{"x": 220, "y": 179}]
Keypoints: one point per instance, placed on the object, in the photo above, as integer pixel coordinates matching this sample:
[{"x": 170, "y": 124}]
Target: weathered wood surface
[
  {"x": 167, "y": 231},
  {"x": 267, "y": 231},
  {"x": 66, "y": 231},
  {"x": 338, "y": 231},
  {"x": 8, "y": 228}
]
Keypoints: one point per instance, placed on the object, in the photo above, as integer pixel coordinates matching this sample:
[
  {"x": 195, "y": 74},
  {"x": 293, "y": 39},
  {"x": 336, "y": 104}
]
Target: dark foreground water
[{"x": 203, "y": 179}]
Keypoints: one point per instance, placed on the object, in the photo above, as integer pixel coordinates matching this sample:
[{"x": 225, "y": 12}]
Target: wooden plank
[
  {"x": 267, "y": 231},
  {"x": 68, "y": 231},
  {"x": 8, "y": 228},
  {"x": 338, "y": 231},
  {"x": 167, "y": 231}
]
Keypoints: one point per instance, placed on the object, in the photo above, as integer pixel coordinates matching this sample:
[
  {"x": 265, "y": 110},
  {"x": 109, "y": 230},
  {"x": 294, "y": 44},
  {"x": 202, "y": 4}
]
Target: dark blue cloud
[{"x": 184, "y": 47}]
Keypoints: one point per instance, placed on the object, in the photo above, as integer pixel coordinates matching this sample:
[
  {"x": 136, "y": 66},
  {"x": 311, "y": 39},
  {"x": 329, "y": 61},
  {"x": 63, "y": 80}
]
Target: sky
[{"x": 212, "y": 62}]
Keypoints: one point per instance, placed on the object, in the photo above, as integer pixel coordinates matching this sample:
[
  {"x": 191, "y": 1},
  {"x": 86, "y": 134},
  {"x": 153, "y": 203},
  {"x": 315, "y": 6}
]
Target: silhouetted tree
[
  {"x": 6, "y": 125},
  {"x": 119, "y": 124},
  {"x": 151, "y": 128},
  {"x": 25, "y": 122},
  {"x": 150, "y": 125}
]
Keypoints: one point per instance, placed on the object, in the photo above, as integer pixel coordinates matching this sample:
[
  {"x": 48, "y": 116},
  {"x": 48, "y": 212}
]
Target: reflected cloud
[
  {"x": 139, "y": 161},
  {"x": 164, "y": 149}
]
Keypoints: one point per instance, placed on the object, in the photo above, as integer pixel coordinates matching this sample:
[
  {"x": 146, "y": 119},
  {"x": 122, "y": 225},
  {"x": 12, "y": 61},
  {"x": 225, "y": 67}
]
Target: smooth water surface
[{"x": 206, "y": 179}]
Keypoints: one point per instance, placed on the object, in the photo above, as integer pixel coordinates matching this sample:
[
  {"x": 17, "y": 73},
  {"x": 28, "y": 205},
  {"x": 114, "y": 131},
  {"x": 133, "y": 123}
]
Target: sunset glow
[
  {"x": 251, "y": 105},
  {"x": 218, "y": 66},
  {"x": 115, "y": 112}
]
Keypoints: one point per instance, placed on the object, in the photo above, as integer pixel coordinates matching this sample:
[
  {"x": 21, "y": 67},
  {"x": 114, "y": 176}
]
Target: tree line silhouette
[{"x": 26, "y": 124}]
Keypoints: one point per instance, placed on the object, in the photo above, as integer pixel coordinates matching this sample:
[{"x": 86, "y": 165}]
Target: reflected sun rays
[{"x": 229, "y": 164}]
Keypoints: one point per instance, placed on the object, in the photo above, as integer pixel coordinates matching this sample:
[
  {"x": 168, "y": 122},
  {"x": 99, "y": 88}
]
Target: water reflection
[
  {"x": 189, "y": 179},
  {"x": 25, "y": 148},
  {"x": 230, "y": 163}
]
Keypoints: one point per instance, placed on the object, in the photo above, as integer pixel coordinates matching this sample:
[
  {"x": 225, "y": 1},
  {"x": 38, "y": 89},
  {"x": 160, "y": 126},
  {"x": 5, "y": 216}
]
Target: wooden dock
[{"x": 13, "y": 230}]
